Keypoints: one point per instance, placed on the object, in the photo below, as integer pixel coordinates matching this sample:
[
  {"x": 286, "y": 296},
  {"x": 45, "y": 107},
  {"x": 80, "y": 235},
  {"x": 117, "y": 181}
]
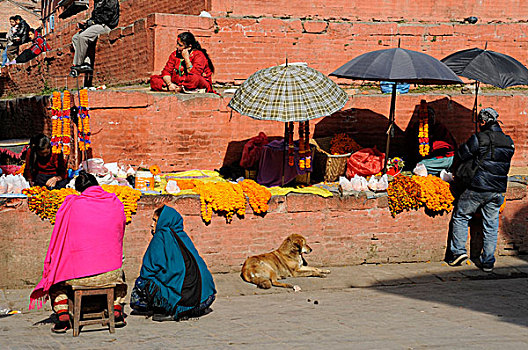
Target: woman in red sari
[{"x": 188, "y": 68}]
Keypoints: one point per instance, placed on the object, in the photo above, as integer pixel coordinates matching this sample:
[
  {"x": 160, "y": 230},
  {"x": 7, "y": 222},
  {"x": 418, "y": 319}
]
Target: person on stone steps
[
  {"x": 105, "y": 17},
  {"x": 189, "y": 68}
]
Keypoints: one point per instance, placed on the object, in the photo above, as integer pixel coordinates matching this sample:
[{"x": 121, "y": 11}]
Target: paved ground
[{"x": 401, "y": 306}]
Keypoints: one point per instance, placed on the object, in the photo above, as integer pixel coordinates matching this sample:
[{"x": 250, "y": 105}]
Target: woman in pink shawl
[{"x": 86, "y": 248}]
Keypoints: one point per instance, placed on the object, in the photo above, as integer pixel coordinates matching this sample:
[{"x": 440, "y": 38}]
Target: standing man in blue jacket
[
  {"x": 105, "y": 17},
  {"x": 493, "y": 150}
]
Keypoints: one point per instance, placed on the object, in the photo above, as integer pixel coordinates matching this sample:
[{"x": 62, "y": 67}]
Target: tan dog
[{"x": 265, "y": 269}]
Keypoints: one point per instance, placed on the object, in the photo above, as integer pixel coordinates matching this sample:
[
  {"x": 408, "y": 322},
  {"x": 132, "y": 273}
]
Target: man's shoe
[
  {"x": 61, "y": 327},
  {"x": 457, "y": 259},
  {"x": 83, "y": 68}
]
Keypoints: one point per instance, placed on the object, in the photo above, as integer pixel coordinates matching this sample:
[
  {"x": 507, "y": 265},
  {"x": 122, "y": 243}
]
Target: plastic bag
[
  {"x": 95, "y": 166},
  {"x": 3, "y": 185},
  {"x": 380, "y": 184},
  {"x": 365, "y": 162},
  {"x": 420, "y": 170},
  {"x": 446, "y": 176},
  {"x": 359, "y": 183},
  {"x": 172, "y": 187},
  {"x": 345, "y": 184}
]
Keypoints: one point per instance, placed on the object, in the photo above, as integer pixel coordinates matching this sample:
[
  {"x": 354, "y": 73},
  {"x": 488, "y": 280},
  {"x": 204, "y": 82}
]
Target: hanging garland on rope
[
  {"x": 84, "y": 121},
  {"x": 423, "y": 131},
  {"x": 65, "y": 123},
  {"x": 291, "y": 149},
  {"x": 56, "y": 111},
  {"x": 307, "y": 150}
]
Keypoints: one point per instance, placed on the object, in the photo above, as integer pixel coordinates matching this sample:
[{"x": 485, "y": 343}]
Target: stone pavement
[{"x": 400, "y": 306}]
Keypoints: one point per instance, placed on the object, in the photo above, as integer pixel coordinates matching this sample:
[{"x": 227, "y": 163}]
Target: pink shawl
[{"x": 87, "y": 240}]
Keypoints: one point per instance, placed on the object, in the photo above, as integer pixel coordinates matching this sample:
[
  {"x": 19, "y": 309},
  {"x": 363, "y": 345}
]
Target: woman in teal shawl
[{"x": 174, "y": 282}]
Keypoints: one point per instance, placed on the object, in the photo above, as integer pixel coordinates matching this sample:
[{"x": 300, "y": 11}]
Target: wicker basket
[{"x": 328, "y": 167}]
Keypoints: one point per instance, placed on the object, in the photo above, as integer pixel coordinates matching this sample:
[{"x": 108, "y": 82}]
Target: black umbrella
[
  {"x": 488, "y": 67},
  {"x": 397, "y": 65}
]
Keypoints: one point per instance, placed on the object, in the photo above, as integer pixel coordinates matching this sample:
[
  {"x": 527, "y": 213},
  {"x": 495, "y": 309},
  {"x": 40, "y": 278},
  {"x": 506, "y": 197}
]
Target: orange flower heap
[
  {"x": 403, "y": 194},
  {"x": 224, "y": 198},
  {"x": 46, "y": 203},
  {"x": 342, "y": 144},
  {"x": 435, "y": 194},
  {"x": 127, "y": 195},
  {"x": 258, "y": 195}
]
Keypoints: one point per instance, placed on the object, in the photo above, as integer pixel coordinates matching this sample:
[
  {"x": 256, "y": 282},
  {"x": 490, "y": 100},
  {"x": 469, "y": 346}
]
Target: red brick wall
[
  {"x": 394, "y": 10},
  {"x": 239, "y": 47},
  {"x": 328, "y": 224}
]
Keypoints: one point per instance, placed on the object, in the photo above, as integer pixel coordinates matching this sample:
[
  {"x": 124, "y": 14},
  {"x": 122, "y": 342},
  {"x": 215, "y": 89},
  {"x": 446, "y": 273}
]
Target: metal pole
[
  {"x": 390, "y": 130},
  {"x": 475, "y": 106}
]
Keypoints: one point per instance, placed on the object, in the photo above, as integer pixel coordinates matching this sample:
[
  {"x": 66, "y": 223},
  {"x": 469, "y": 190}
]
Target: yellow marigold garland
[
  {"x": 435, "y": 194},
  {"x": 45, "y": 203},
  {"x": 224, "y": 198},
  {"x": 423, "y": 131},
  {"x": 127, "y": 195},
  {"x": 56, "y": 107},
  {"x": 65, "y": 123},
  {"x": 84, "y": 121},
  {"x": 258, "y": 195},
  {"x": 403, "y": 192}
]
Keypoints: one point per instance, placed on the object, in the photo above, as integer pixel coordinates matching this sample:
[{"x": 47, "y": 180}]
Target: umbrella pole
[
  {"x": 284, "y": 151},
  {"x": 477, "y": 83},
  {"x": 390, "y": 130}
]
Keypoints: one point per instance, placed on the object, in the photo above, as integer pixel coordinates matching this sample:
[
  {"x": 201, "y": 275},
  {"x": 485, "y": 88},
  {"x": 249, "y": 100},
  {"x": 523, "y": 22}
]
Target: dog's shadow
[{"x": 52, "y": 319}]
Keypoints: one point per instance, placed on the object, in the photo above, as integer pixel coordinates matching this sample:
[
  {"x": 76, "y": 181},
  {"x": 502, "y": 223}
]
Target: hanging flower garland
[
  {"x": 302, "y": 157},
  {"x": 435, "y": 194},
  {"x": 65, "y": 123},
  {"x": 423, "y": 130},
  {"x": 307, "y": 149},
  {"x": 56, "y": 111},
  {"x": 84, "y": 121},
  {"x": 291, "y": 149},
  {"x": 258, "y": 195}
]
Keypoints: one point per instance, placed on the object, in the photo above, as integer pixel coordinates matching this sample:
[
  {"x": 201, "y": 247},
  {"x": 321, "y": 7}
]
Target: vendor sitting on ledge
[
  {"x": 436, "y": 152},
  {"x": 44, "y": 168},
  {"x": 189, "y": 68}
]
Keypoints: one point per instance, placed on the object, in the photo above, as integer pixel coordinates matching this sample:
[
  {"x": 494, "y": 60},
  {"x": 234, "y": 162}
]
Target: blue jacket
[{"x": 492, "y": 174}]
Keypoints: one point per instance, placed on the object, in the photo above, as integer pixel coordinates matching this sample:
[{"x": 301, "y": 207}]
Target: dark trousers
[
  {"x": 25, "y": 56},
  {"x": 41, "y": 179}
]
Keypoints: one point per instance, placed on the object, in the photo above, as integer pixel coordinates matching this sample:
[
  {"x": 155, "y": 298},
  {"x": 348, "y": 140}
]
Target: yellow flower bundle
[
  {"x": 127, "y": 195},
  {"x": 56, "y": 131},
  {"x": 45, "y": 203},
  {"x": 224, "y": 198},
  {"x": 435, "y": 193},
  {"x": 84, "y": 121},
  {"x": 185, "y": 184},
  {"x": 258, "y": 195},
  {"x": 403, "y": 194},
  {"x": 65, "y": 123}
]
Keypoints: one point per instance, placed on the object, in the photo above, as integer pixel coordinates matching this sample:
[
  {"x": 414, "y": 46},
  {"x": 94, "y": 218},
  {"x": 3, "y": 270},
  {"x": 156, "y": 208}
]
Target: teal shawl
[{"x": 164, "y": 266}]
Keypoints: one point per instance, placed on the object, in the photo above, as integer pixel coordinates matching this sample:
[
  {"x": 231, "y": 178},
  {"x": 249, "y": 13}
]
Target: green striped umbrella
[{"x": 288, "y": 93}]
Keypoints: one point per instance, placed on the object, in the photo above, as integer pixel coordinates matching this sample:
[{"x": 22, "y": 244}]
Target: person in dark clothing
[
  {"x": 39, "y": 45},
  {"x": 43, "y": 167},
  {"x": 494, "y": 150},
  {"x": 174, "y": 282},
  {"x": 21, "y": 35},
  {"x": 105, "y": 17}
]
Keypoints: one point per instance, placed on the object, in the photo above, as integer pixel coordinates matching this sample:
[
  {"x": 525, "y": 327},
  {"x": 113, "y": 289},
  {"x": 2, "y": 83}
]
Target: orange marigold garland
[
  {"x": 307, "y": 149},
  {"x": 65, "y": 123},
  {"x": 302, "y": 155},
  {"x": 403, "y": 192},
  {"x": 423, "y": 130},
  {"x": 291, "y": 146},
  {"x": 435, "y": 194},
  {"x": 127, "y": 195},
  {"x": 45, "y": 203},
  {"x": 258, "y": 195},
  {"x": 84, "y": 122},
  {"x": 225, "y": 198},
  {"x": 56, "y": 111}
]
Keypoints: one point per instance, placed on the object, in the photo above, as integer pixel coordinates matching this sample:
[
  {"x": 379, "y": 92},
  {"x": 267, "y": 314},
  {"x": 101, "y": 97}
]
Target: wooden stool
[{"x": 97, "y": 317}]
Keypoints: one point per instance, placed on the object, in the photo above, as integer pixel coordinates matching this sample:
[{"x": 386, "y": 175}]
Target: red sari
[{"x": 199, "y": 77}]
